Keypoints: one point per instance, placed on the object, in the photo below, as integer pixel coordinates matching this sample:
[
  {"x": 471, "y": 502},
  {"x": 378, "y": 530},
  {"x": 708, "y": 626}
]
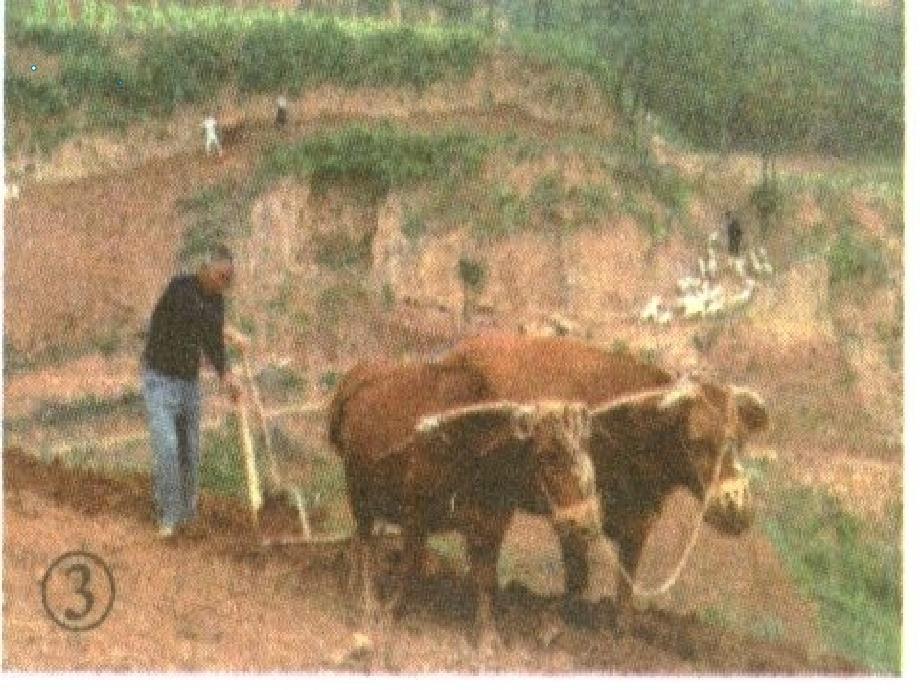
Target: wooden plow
[{"x": 282, "y": 496}]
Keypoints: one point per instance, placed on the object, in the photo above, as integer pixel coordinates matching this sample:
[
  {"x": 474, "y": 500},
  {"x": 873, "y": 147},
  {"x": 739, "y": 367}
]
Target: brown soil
[{"x": 214, "y": 600}]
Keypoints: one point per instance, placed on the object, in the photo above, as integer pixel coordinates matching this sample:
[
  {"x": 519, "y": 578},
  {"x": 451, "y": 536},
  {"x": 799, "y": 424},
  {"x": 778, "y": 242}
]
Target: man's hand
[
  {"x": 231, "y": 386},
  {"x": 236, "y": 337}
]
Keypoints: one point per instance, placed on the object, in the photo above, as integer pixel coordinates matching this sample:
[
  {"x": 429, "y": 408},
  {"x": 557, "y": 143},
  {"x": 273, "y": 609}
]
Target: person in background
[
  {"x": 187, "y": 322},
  {"x": 733, "y": 230},
  {"x": 211, "y": 137},
  {"x": 281, "y": 114}
]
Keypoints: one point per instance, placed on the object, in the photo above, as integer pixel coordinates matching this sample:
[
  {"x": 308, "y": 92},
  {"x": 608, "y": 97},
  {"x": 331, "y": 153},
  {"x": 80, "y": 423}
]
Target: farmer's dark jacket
[{"x": 186, "y": 322}]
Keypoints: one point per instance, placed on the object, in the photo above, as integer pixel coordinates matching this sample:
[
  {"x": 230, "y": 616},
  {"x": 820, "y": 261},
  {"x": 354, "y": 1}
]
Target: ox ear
[
  {"x": 751, "y": 409},
  {"x": 523, "y": 421}
]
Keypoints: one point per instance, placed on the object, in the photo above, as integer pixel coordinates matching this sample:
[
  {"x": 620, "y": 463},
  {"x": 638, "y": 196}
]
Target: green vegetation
[
  {"x": 327, "y": 479},
  {"x": 767, "y": 200},
  {"x": 472, "y": 274},
  {"x": 766, "y": 75},
  {"x": 762, "y": 75},
  {"x": 211, "y": 213},
  {"x": 86, "y": 408},
  {"x": 854, "y": 258},
  {"x": 413, "y": 225},
  {"x": 734, "y": 617},
  {"x": 335, "y": 302},
  {"x": 221, "y": 467},
  {"x": 142, "y": 61},
  {"x": 379, "y": 158},
  {"x": 329, "y": 380},
  {"x": 849, "y": 566},
  {"x": 338, "y": 250},
  {"x": 881, "y": 181},
  {"x": 279, "y": 381}
]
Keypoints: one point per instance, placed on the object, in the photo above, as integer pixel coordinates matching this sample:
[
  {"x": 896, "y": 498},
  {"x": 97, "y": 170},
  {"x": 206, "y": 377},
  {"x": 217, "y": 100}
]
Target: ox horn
[
  {"x": 523, "y": 421},
  {"x": 751, "y": 408},
  {"x": 579, "y": 418},
  {"x": 684, "y": 391}
]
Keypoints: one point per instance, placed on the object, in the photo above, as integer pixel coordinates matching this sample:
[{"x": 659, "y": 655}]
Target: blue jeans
[{"x": 174, "y": 414}]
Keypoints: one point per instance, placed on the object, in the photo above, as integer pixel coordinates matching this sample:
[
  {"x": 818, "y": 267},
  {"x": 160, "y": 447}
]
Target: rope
[{"x": 671, "y": 580}]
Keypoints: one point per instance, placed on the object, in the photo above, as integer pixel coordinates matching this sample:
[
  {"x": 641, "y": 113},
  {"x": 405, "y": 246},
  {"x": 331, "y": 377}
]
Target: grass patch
[
  {"x": 221, "y": 463},
  {"x": 338, "y": 250},
  {"x": 86, "y": 408},
  {"x": 146, "y": 61},
  {"x": 329, "y": 380},
  {"x": 414, "y": 225},
  {"x": 855, "y": 259},
  {"x": 850, "y": 567},
  {"x": 380, "y": 158},
  {"x": 881, "y": 180},
  {"x": 327, "y": 479},
  {"x": 273, "y": 380},
  {"x": 335, "y": 302},
  {"x": 210, "y": 213},
  {"x": 732, "y": 617},
  {"x": 504, "y": 213}
]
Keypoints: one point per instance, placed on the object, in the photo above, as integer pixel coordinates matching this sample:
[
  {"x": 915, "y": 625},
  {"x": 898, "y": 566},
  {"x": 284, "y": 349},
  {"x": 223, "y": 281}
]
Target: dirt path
[{"x": 215, "y": 602}]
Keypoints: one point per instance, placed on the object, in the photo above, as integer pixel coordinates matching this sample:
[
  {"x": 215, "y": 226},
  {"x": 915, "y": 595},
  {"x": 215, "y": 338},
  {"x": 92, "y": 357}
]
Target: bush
[
  {"x": 767, "y": 200},
  {"x": 381, "y": 158},
  {"x": 181, "y": 67},
  {"x": 855, "y": 259},
  {"x": 41, "y": 98},
  {"x": 166, "y": 57}
]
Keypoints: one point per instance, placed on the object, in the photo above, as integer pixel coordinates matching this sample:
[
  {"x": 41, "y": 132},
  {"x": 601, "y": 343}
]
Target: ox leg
[
  {"x": 364, "y": 560},
  {"x": 484, "y": 538},
  {"x": 630, "y": 540},
  {"x": 413, "y": 559},
  {"x": 575, "y": 562}
]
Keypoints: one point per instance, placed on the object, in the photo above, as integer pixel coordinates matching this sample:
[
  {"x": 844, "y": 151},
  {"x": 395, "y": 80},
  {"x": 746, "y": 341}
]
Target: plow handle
[{"x": 249, "y": 461}]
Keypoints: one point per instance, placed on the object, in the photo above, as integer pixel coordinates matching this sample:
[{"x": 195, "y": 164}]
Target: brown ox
[
  {"x": 664, "y": 434},
  {"x": 420, "y": 449}
]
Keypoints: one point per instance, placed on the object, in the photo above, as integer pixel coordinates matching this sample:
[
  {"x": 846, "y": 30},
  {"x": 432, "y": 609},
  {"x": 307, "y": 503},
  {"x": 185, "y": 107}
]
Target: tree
[{"x": 472, "y": 275}]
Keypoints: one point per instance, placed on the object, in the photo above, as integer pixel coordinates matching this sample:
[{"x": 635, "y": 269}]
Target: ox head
[
  {"x": 558, "y": 434},
  {"x": 690, "y": 434},
  {"x": 552, "y": 436},
  {"x": 710, "y": 425}
]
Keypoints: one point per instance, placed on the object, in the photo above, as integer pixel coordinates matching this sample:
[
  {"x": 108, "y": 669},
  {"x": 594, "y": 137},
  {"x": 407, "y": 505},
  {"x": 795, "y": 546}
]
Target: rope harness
[
  {"x": 584, "y": 511},
  {"x": 671, "y": 580}
]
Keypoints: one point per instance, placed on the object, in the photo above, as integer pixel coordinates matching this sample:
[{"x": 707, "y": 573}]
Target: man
[
  {"x": 188, "y": 321},
  {"x": 211, "y": 138},
  {"x": 733, "y": 230},
  {"x": 281, "y": 114}
]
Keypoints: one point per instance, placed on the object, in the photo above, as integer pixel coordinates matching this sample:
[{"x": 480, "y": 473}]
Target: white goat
[
  {"x": 765, "y": 265},
  {"x": 755, "y": 263},
  {"x": 693, "y": 305},
  {"x": 739, "y": 299},
  {"x": 688, "y": 284},
  {"x": 702, "y": 267},
  {"x": 712, "y": 266},
  {"x": 650, "y": 310},
  {"x": 715, "y": 304},
  {"x": 664, "y": 317},
  {"x": 739, "y": 266}
]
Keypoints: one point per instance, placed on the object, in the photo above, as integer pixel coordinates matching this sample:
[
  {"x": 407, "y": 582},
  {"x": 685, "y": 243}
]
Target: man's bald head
[{"x": 216, "y": 272}]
